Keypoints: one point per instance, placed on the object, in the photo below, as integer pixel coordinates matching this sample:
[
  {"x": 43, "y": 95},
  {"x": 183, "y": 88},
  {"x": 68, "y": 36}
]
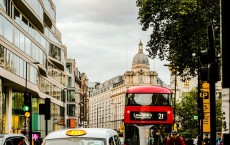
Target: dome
[{"x": 140, "y": 59}]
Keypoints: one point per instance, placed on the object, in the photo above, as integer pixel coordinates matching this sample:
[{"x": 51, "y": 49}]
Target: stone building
[{"x": 107, "y": 100}]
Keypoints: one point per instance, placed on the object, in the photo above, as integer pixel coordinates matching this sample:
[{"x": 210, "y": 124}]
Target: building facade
[
  {"x": 77, "y": 103},
  {"x": 107, "y": 100},
  {"x": 32, "y": 59}
]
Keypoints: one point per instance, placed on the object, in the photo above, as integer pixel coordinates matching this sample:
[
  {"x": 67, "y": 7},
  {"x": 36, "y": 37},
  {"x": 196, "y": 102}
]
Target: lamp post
[
  {"x": 115, "y": 118},
  {"x": 30, "y": 106},
  {"x": 175, "y": 80}
]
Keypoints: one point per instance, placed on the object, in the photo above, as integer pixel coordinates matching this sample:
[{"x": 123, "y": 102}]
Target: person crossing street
[{"x": 175, "y": 139}]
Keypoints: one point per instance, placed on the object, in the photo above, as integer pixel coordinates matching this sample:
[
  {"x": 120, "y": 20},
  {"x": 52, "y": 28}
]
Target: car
[
  {"x": 13, "y": 139},
  {"x": 82, "y": 136}
]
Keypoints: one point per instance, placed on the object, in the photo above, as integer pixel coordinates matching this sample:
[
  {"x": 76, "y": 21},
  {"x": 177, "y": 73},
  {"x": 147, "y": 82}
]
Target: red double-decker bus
[{"x": 148, "y": 115}]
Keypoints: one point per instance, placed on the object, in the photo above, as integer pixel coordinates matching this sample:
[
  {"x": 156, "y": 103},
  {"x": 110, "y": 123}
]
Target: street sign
[
  {"x": 205, "y": 94},
  {"x": 195, "y": 117}
]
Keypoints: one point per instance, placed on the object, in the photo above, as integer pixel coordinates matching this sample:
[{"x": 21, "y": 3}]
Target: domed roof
[{"x": 140, "y": 57}]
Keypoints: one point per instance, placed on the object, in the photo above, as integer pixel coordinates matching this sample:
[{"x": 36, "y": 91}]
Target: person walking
[
  {"x": 175, "y": 139},
  {"x": 218, "y": 139},
  {"x": 195, "y": 141},
  {"x": 206, "y": 140}
]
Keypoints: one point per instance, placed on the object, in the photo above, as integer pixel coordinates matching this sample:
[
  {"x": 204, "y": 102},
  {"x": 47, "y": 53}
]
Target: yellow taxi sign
[{"x": 75, "y": 132}]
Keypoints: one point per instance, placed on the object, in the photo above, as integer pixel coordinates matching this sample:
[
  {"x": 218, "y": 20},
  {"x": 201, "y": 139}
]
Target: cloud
[{"x": 103, "y": 36}]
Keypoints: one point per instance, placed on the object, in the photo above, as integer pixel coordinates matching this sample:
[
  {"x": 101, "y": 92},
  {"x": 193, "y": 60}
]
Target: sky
[{"x": 103, "y": 36}]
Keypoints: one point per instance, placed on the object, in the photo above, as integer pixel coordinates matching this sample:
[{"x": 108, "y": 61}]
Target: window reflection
[
  {"x": 17, "y": 65},
  {"x": 56, "y": 74},
  {"x": 50, "y": 89},
  {"x": 149, "y": 99},
  {"x": 2, "y": 56},
  {"x": 22, "y": 41}
]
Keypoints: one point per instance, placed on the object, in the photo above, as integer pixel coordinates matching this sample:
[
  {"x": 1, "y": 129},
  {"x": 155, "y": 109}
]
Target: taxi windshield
[{"x": 75, "y": 141}]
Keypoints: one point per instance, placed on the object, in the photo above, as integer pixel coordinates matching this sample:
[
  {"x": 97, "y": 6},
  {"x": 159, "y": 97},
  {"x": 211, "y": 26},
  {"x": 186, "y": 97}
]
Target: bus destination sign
[{"x": 148, "y": 116}]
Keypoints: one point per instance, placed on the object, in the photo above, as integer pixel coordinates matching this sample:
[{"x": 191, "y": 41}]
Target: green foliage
[
  {"x": 185, "y": 111},
  {"x": 187, "y": 108},
  {"x": 218, "y": 115},
  {"x": 178, "y": 28}
]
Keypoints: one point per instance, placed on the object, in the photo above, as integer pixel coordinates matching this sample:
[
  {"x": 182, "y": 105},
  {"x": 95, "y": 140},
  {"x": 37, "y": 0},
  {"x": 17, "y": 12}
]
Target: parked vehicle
[
  {"x": 13, "y": 139},
  {"x": 83, "y": 136}
]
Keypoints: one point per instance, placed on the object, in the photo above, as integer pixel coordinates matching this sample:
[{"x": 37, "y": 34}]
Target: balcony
[
  {"x": 47, "y": 19},
  {"x": 30, "y": 14}
]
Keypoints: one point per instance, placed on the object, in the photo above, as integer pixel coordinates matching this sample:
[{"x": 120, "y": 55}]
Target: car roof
[
  {"x": 11, "y": 135},
  {"x": 90, "y": 132}
]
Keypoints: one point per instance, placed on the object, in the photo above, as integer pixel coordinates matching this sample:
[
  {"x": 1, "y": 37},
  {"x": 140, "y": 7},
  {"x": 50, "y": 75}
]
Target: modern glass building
[{"x": 32, "y": 59}]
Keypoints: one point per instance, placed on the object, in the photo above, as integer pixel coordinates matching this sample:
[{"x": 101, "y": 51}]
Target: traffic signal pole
[
  {"x": 225, "y": 30},
  {"x": 213, "y": 112},
  {"x": 30, "y": 108}
]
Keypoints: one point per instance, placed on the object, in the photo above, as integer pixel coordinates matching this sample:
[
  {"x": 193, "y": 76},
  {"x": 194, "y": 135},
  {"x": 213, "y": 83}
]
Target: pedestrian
[
  {"x": 189, "y": 140},
  {"x": 38, "y": 141},
  {"x": 175, "y": 139},
  {"x": 219, "y": 139},
  {"x": 195, "y": 141},
  {"x": 206, "y": 140}
]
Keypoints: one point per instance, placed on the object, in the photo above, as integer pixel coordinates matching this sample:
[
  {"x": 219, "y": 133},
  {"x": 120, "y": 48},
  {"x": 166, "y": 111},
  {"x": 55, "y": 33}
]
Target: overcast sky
[{"x": 103, "y": 36}]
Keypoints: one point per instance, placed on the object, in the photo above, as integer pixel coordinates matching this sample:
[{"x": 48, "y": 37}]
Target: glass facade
[
  {"x": 51, "y": 36},
  {"x": 18, "y": 118},
  {"x": 30, "y": 29},
  {"x": 2, "y": 108},
  {"x": 56, "y": 52},
  {"x": 21, "y": 41},
  {"x": 17, "y": 65},
  {"x": 71, "y": 110},
  {"x": 50, "y": 89},
  {"x": 24, "y": 43},
  {"x": 2, "y": 4},
  {"x": 36, "y": 7},
  {"x": 50, "y": 10},
  {"x": 71, "y": 96},
  {"x": 56, "y": 74},
  {"x": 17, "y": 112}
]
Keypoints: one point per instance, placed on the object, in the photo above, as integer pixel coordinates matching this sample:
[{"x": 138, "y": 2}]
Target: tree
[
  {"x": 179, "y": 29},
  {"x": 185, "y": 111},
  {"x": 187, "y": 108}
]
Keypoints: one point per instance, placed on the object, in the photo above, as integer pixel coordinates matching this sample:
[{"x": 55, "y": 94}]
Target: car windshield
[{"x": 75, "y": 141}]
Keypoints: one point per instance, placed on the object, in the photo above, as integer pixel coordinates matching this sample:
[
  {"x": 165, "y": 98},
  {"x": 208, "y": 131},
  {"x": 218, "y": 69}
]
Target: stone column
[{"x": 8, "y": 110}]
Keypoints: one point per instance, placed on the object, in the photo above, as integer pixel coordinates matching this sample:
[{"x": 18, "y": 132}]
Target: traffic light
[
  {"x": 44, "y": 109},
  {"x": 47, "y": 108},
  {"x": 210, "y": 64},
  {"x": 200, "y": 108},
  {"x": 27, "y": 105}
]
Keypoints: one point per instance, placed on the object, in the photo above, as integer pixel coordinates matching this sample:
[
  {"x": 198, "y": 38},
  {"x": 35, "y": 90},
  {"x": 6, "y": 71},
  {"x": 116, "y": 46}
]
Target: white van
[{"x": 82, "y": 136}]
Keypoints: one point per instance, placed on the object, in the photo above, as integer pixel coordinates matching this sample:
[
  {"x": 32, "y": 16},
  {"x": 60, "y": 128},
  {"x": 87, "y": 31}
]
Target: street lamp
[
  {"x": 115, "y": 118},
  {"x": 175, "y": 80},
  {"x": 30, "y": 105}
]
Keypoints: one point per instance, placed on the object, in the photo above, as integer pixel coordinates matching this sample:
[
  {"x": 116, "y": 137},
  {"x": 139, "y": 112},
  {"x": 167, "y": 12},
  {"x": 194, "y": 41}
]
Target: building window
[
  {"x": 68, "y": 66},
  {"x": 186, "y": 83},
  {"x": 69, "y": 81}
]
